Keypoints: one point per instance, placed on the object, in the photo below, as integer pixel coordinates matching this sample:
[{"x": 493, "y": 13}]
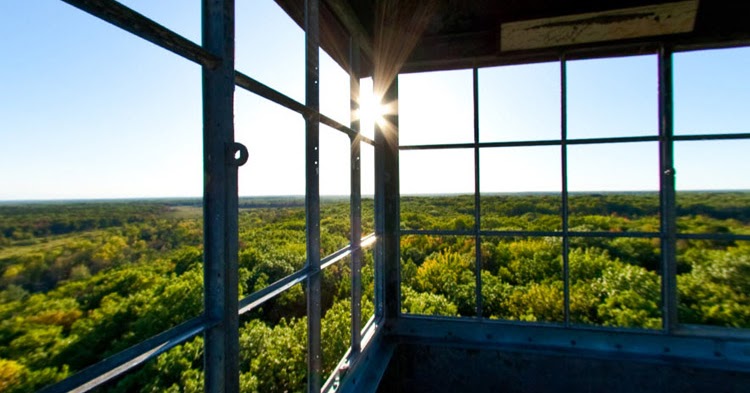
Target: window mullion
[
  {"x": 668, "y": 227},
  {"x": 564, "y": 184}
]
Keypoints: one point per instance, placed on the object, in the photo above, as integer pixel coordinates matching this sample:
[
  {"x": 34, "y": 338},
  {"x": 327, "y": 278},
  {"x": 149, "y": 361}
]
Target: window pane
[
  {"x": 334, "y": 90},
  {"x": 284, "y": 65},
  {"x": 518, "y": 103},
  {"x": 522, "y": 279},
  {"x": 275, "y": 140},
  {"x": 612, "y": 97},
  {"x": 335, "y": 180},
  {"x": 182, "y": 17},
  {"x": 437, "y": 188},
  {"x": 436, "y": 107},
  {"x": 95, "y": 121},
  {"x": 520, "y": 188},
  {"x": 614, "y": 187},
  {"x": 336, "y": 303},
  {"x": 615, "y": 282},
  {"x": 273, "y": 344},
  {"x": 369, "y": 108},
  {"x": 437, "y": 275},
  {"x": 272, "y": 240},
  {"x": 713, "y": 189},
  {"x": 712, "y": 282},
  {"x": 711, "y": 91},
  {"x": 368, "y": 187}
]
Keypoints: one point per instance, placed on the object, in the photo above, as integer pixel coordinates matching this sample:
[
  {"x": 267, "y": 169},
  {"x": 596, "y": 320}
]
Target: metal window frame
[
  {"x": 219, "y": 322},
  {"x": 667, "y": 234}
]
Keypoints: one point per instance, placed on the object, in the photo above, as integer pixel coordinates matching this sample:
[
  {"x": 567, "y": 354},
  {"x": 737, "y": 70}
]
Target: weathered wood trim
[{"x": 627, "y": 23}]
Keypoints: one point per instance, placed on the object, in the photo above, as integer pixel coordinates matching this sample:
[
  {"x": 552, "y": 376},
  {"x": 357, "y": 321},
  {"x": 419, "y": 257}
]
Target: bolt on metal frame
[{"x": 219, "y": 322}]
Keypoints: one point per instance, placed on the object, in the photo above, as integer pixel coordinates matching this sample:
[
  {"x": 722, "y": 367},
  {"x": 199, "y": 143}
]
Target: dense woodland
[{"x": 81, "y": 281}]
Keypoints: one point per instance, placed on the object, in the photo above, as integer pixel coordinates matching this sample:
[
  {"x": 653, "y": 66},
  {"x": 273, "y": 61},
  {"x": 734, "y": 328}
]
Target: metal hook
[{"x": 235, "y": 148}]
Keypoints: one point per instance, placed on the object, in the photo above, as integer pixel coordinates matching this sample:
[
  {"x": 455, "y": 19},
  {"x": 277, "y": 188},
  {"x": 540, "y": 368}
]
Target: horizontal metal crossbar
[
  {"x": 647, "y": 235},
  {"x": 125, "y": 18},
  {"x": 259, "y": 297},
  {"x": 130, "y": 358},
  {"x": 712, "y": 236},
  {"x": 707, "y": 137},
  {"x": 583, "y": 141},
  {"x": 282, "y": 99}
]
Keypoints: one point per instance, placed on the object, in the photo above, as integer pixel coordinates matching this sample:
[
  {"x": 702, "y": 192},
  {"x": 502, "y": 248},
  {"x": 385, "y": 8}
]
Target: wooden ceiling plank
[{"x": 613, "y": 25}]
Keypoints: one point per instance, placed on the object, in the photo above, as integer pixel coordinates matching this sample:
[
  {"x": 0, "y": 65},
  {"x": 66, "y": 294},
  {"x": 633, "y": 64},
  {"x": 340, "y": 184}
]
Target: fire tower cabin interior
[{"x": 472, "y": 348}]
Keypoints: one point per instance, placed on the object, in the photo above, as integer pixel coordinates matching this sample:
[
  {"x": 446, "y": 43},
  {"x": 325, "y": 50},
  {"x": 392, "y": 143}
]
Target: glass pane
[
  {"x": 100, "y": 225},
  {"x": 437, "y": 275},
  {"x": 273, "y": 344},
  {"x": 712, "y": 282},
  {"x": 336, "y": 306},
  {"x": 436, "y": 107},
  {"x": 713, "y": 191},
  {"x": 335, "y": 180},
  {"x": 614, "y": 187},
  {"x": 615, "y": 282},
  {"x": 520, "y": 188},
  {"x": 275, "y": 140},
  {"x": 368, "y": 284},
  {"x": 444, "y": 183},
  {"x": 272, "y": 240},
  {"x": 367, "y": 176},
  {"x": 334, "y": 90},
  {"x": 369, "y": 108},
  {"x": 711, "y": 91},
  {"x": 283, "y": 65},
  {"x": 182, "y": 17},
  {"x": 519, "y": 103},
  {"x": 522, "y": 279},
  {"x": 613, "y": 97}
]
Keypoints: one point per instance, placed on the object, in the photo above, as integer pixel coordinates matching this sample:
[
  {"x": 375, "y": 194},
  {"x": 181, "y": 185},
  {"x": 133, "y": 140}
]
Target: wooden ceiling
[{"x": 451, "y": 34}]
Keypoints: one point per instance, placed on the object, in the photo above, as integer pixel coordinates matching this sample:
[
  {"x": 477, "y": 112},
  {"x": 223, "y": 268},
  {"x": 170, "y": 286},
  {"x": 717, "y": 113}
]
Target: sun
[{"x": 371, "y": 110}]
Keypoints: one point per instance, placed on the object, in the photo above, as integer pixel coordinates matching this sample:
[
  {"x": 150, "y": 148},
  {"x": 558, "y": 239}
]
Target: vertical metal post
[
  {"x": 312, "y": 195},
  {"x": 564, "y": 166},
  {"x": 355, "y": 199},
  {"x": 667, "y": 194},
  {"x": 477, "y": 199},
  {"x": 388, "y": 258},
  {"x": 221, "y": 356}
]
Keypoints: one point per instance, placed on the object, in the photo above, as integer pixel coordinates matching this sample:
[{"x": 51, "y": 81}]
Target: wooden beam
[
  {"x": 345, "y": 14},
  {"x": 627, "y": 23}
]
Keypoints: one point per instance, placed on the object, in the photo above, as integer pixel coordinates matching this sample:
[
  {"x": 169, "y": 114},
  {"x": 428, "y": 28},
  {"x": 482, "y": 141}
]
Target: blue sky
[{"x": 89, "y": 111}]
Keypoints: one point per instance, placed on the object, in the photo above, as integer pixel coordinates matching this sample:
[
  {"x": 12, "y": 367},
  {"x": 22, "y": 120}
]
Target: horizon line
[{"x": 343, "y": 196}]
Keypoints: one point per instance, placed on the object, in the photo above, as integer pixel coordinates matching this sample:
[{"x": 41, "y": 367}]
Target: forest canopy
[{"x": 80, "y": 281}]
